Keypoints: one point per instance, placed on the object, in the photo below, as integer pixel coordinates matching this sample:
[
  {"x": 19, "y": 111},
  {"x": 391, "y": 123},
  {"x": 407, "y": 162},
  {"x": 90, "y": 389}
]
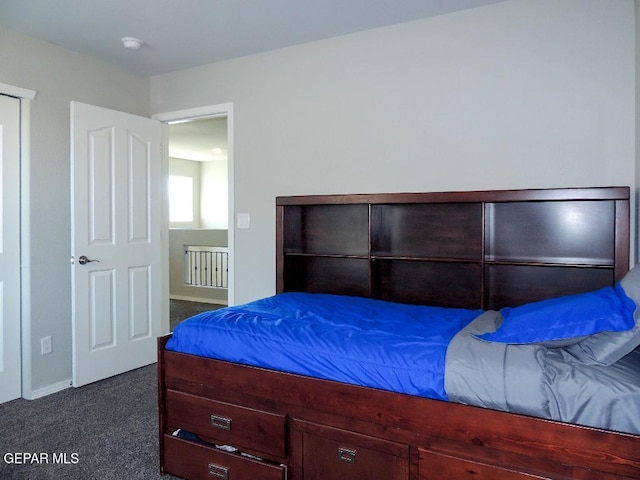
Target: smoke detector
[{"x": 132, "y": 43}]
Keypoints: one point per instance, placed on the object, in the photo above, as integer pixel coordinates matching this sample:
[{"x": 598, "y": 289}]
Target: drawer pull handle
[
  {"x": 223, "y": 423},
  {"x": 346, "y": 455},
  {"x": 219, "y": 471}
]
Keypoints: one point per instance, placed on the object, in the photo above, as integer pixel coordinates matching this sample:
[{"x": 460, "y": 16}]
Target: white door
[
  {"x": 10, "y": 372},
  {"x": 116, "y": 204}
]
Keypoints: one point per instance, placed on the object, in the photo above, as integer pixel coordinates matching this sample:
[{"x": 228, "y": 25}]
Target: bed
[{"x": 291, "y": 386}]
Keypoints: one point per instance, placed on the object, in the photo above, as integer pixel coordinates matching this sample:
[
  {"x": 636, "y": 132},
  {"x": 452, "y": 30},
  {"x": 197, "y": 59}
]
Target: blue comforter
[{"x": 354, "y": 340}]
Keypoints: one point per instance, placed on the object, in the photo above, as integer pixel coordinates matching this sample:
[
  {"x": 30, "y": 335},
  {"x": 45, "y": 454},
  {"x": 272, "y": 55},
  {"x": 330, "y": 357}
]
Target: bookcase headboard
[{"x": 480, "y": 249}]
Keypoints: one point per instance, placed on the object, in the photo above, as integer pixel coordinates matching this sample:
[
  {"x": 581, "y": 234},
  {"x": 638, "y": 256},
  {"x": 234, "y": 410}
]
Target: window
[{"x": 180, "y": 199}]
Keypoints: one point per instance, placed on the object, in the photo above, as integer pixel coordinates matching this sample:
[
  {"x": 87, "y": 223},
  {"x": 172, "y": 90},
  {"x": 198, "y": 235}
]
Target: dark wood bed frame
[{"x": 466, "y": 249}]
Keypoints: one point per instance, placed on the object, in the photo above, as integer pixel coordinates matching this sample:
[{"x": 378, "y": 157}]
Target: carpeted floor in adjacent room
[{"x": 182, "y": 309}]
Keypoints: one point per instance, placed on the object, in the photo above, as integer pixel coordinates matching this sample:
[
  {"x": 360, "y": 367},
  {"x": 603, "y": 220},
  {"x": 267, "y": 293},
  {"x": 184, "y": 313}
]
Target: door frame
[
  {"x": 25, "y": 96},
  {"x": 195, "y": 114}
]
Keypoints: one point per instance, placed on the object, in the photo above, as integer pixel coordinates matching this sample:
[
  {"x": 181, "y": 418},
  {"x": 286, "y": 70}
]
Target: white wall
[
  {"x": 520, "y": 94},
  {"x": 189, "y": 168},
  {"x": 214, "y": 196},
  {"x": 210, "y": 192},
  {"x": 58, "y": 76}
]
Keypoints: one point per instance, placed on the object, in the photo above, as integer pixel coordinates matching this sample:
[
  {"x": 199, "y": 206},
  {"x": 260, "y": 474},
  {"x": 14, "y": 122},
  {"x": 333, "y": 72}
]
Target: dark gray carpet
[{"x": 106, "y": 430}]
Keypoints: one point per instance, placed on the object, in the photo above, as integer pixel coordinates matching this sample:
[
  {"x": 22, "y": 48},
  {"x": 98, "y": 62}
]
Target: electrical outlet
[{"x": 45, "y": 345}]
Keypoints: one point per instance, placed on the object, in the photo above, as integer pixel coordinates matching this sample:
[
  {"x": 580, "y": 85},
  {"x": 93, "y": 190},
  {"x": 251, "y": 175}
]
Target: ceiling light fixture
[{"x": 132, "y": 43}]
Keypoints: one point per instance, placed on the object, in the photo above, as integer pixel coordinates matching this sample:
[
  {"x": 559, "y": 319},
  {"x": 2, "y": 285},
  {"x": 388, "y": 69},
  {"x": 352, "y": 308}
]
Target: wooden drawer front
[
  {"x": 193, "y": 461},
  {"x": 435, "y": 466},
  {"x": 328, "y": 453},
  {"x": 227, "y": 424}
]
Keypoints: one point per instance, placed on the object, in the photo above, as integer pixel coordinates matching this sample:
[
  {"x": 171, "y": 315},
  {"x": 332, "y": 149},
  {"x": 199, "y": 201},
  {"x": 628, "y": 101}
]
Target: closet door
[{"x": 9, "y": 249}]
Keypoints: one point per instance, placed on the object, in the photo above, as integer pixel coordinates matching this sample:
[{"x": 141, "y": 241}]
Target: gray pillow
[{"x": 606, "y": 348}]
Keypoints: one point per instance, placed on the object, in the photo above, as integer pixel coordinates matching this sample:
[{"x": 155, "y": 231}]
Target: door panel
[
  {"x": 116, "y": 224},
  {"x": 140, "y": 287},
  {"x": 101, "y": 315},
  {"x": 9, "y": 249}
]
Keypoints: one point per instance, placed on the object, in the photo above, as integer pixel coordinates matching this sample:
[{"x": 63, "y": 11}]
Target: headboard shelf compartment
[
  {"x": 454, "y": 248},
  {"x": 341, "y": 230},
  {"x": 448, "y": 230},
  {"x": 562, "y": 232}
]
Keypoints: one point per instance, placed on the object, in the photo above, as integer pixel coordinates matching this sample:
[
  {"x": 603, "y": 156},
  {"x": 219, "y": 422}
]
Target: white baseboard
[
  {"x": 215, "y": 301},
  {"x": 48, "y": 390}
]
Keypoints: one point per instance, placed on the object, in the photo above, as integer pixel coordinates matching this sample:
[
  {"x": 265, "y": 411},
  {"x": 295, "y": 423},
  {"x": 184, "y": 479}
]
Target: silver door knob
[{"x": 83, "y": 260}]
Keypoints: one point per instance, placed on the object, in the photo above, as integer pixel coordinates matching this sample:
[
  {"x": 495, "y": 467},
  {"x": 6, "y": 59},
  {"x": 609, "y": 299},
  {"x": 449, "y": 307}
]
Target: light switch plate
[{"x": 243, "y": 220}]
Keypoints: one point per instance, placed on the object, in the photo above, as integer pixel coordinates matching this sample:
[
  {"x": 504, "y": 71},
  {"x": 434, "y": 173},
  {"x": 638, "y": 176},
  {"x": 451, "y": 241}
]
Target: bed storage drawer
[
  {"x": 435, "y": 466},
  {"x": 243, "y": 428},
  {"x": 326, "y": 453},
  {"x": 190, "y": 460}
]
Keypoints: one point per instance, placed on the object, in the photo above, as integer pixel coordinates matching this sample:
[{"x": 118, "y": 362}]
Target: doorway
[{"x": 199, "y": 174}]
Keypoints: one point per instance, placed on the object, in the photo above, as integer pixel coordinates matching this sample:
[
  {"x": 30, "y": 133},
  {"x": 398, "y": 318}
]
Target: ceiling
[
  {"x": 180, "y": 34},
  {"x": 200, "y": 140}
]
